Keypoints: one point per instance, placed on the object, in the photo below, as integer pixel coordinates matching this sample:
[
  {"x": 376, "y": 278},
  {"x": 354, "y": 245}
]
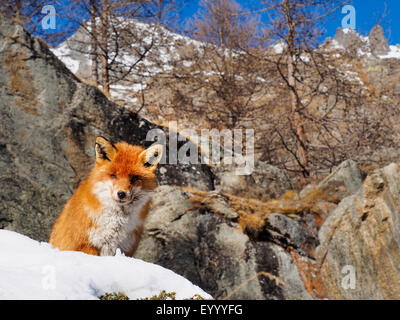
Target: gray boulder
[
  {"x": 265, "y": 181},
  {"x": 359, "y": 252},
  {"x": 345, "y": 180}
]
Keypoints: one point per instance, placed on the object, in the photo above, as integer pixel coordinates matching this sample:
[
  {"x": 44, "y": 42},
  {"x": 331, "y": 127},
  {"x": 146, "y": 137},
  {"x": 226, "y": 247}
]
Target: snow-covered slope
[
  {"x": 167, "y": 48},
  {"x": 33, "y": 270}
]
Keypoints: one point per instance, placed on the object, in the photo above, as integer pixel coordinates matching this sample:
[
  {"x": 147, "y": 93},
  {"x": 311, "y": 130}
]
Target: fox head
[{"x": 123, "y": 172}]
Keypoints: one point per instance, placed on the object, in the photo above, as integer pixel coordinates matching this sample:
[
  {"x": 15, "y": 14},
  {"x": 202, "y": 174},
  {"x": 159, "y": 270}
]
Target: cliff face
[
  {"x": 360, "y": 241},
  {"x": 238, "y": 238}
]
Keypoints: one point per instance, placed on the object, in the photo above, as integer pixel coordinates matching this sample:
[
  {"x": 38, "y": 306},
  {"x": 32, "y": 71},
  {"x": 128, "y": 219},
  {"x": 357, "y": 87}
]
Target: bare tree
[
  {"x": 111, "y": 35},
  {"x": 216, "y": 81},
  {"x": 22, "y": 11},
  {"x": 310, "y": 106},
  {"x": 295, "y": 26},
  {"x": 94, "y": 50}
]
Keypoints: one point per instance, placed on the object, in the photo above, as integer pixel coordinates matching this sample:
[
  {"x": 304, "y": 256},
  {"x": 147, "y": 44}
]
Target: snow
[
  {"x": 353, "y": 76},
  {"x": 139, "y": 87},
  {"x": 64, "y": 54},
  {"x": 187, "y": 64},
  {"x": 34, "y": 270},
  {"x": 361, "y": 53},
  {"x": 336, "y": 45},
  {"x": 278, "y": 47},
  {"x": 305, "y": 58},
  {"x": 394, "y": 53},
  {"x": 348, "y": 30}
]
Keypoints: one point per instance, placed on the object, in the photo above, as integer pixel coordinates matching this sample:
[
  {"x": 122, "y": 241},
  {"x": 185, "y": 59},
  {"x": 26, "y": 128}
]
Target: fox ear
[
  {"x": 152, "y": 156},
  {"x": 105, "y": 150}
]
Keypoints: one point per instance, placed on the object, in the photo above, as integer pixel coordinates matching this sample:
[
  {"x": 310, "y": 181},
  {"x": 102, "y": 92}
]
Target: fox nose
[{"x": 121, "y": 195}]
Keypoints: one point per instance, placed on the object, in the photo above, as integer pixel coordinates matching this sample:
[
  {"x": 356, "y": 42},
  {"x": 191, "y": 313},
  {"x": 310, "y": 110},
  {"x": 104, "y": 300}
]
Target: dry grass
[
  {"x": 253, "y": 212},
  {"x": 365, "y": 79}
]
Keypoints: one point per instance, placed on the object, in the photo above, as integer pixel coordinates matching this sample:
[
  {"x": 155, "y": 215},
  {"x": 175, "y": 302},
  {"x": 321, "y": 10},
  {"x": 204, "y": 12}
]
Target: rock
[
  {"x": 292, "y": 233},
  {"x": 348, "y": 39},
  {"x": 378, "y": 42},
  {"x": 307, "y": 189},
  {"x": 265, "y": 181},
  {"x": 49, "y": 122},
  {"x": 228, "y": 262},
  {"x": 345, "y": 179},
  {"x": 208, "y": 248},
  {"x": 359, "y": 255},
  {"x": 294, "y": 282}
]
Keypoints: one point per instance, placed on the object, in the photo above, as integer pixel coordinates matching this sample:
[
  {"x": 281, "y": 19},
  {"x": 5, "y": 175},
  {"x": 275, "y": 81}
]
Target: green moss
[
  {"x": 195, "y": 297},
  {"x": 163, "y": 295},
  {"x": 114, "y": 296}
]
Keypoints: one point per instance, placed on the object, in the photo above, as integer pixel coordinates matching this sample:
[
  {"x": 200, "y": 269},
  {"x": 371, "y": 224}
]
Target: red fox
[{"x": 108, "y": 209}]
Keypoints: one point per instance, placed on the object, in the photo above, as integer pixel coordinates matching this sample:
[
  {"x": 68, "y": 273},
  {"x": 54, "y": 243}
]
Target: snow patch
[
  {"x": 34, "y": 270},
  {"x": 64, "y": 54},
  {"x": 394, "y": 53},
  {"x": 278, "y": 47},
  {"x": 348, "y": 30},
  {"x": 336, "y": 45}
]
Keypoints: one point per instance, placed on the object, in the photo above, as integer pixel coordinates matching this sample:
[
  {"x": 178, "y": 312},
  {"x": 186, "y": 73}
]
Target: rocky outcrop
[
  {"x": 354, "y": 256},
  {"x": 264, "y": 182},
  {"x": 346, "y": 179},
  {"x": 375, "y": 44},
  {"x": 208, "y": 247},
  {"x": 348, "y": 39},
  {"x": 378, "y": 42},
  {"x": 359, "y": 252},
  {"x": 49, "y": 122}
]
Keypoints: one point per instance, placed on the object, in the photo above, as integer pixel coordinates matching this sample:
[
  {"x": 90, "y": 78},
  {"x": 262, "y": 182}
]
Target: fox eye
[
  {"x": 113, "y": 175},
  {"x": 134, "y": 179}
]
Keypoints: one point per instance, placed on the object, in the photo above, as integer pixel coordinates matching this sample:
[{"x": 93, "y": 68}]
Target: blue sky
[{"x": 368, "y": 13}]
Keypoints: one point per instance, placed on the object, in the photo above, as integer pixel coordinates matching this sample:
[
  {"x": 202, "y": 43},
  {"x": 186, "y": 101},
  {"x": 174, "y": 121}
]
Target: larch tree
[
  {"x": 112, "y": 36},
  {"x": 218, "y": 81},
  {"x": 295, "y": 26}
]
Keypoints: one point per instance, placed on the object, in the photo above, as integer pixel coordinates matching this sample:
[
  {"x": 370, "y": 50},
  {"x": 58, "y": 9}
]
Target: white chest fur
[{"x": 114, "y": 226}]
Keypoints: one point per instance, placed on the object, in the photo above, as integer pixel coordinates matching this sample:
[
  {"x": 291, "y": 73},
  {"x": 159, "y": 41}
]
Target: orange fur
[{"x": 120, "y": 168}]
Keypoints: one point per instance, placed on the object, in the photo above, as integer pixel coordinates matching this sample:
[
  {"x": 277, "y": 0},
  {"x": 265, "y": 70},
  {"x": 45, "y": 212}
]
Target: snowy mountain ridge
[
  {"x": 75, "y": 53},
  {"x": 171, "y": 48},
  {"x": 374, "y": 46}
]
